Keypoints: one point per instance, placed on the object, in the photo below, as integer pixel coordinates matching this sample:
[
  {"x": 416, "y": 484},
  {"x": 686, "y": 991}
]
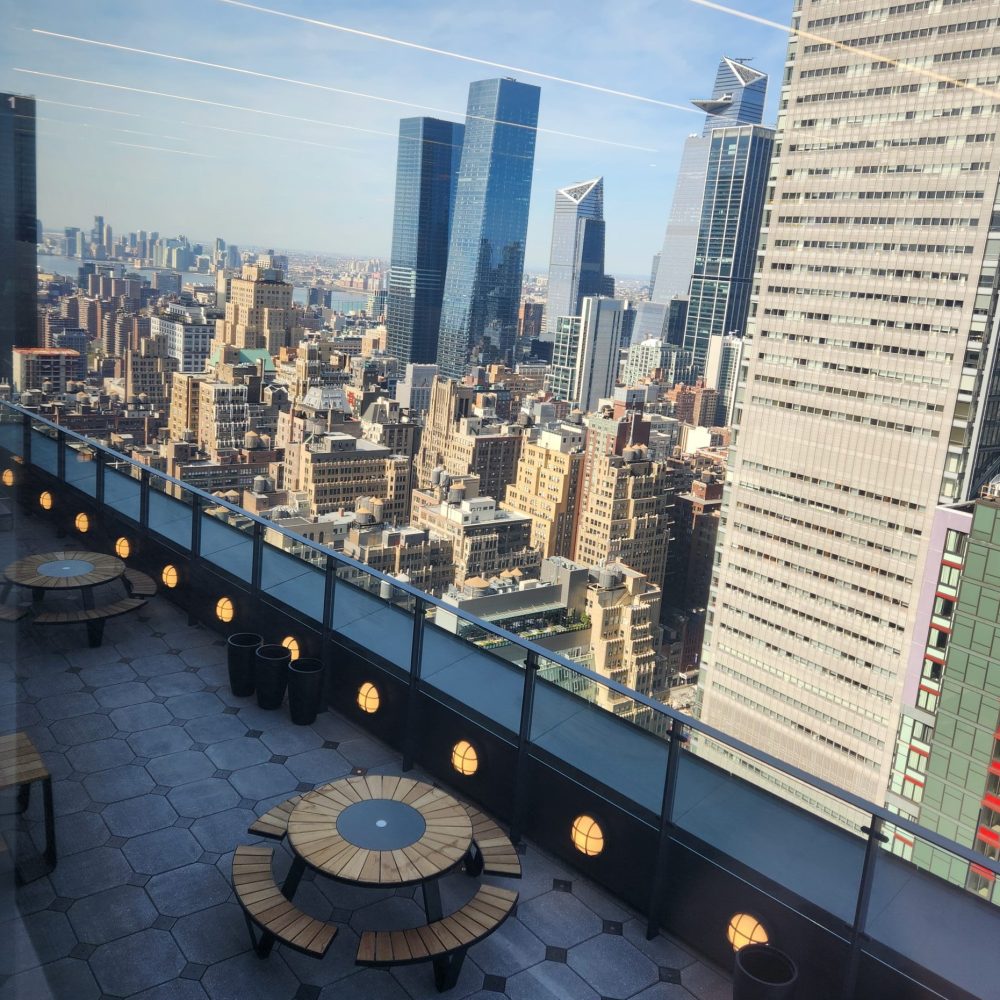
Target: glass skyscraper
[
  {"x": 724, "y": 260},
  {"x": 576, "y": 261},
  {"x": 18, "y": 229},
  {"x": 426, "y": 179},
  {"x": 486, "y": 251}
]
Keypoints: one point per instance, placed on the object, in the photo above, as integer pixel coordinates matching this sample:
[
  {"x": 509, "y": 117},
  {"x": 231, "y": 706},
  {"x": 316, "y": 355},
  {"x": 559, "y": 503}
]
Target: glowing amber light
[
  {"x": 368, "y": 698},
  {"x": 745, "y": 929},
  {"x": 45, "y": 501},
  {"x": 170, "y": 576},
  {"x": 82, "y": 523},
  {"x": 123, "y": 547},
  {"x": 464, "y": 758},
  {"x": 224, "y": 610},
  {"x": 588, "y": 837},
  {"x": 292, "y": 645},
  {"x": 8, "y": 477}
]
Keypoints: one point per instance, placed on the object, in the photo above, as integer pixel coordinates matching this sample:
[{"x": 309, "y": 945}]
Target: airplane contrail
[
  {"x": 901, "y": 64},
  {"x": 86, "y": 107},
  {"x": 458, "y": 55},
  {"x": 109, "y": 128},
  {"x": 325, "y": 87},
  {"x": 161, "y": 149}
]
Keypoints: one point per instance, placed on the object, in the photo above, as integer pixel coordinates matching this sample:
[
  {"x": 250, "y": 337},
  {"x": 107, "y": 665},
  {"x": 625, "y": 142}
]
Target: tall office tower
[
  {"x": 576, "y": 259},
  {"x": 731, "y": 214},
  {"x": 18, "y": 281},
  {"x": 585, "y": 354},
  {"x": 722, "y": 372},
  {"x": 482, "y": 289},
  {"x": 259, "y": 314},
  {"x": 869, "y": 394},
  {"x": 426, "y": 180},
  {"x": 548, "y": 485},
  {"x": 654, "y": 267},
  {"x": 737, "y": 99}
]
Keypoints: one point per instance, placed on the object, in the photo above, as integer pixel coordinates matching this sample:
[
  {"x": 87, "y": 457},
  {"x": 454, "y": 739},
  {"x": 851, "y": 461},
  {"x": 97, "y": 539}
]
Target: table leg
[
  {"x": 88, "y": 598},
  {"x": 37, "y": 595},
  {"x": 291, "y": 884},
  {"x": 50, "y": 822},
  {"x": 432, "y": 900},
  {"x": 5, "y": 593}
]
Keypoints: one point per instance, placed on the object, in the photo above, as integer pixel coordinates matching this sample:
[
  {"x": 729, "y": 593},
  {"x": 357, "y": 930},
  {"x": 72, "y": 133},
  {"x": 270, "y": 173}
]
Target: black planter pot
[
  {"x": 763, "y": 973},
  {"x": 240, "y": 654},
  {"x": 305, "y": 686},
  {"x": 271, "y": 674}
]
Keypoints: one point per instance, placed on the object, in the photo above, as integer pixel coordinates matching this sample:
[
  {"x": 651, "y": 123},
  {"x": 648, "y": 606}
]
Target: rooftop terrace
[{"x": 158, "y": 771}]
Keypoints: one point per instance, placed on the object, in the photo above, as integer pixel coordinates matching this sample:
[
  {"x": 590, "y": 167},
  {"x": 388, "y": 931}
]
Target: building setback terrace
[{"x": 630, "y": 817}]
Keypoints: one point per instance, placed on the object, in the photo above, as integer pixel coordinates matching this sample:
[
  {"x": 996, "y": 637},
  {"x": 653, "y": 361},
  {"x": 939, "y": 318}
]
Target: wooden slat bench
[
  {"x": 274, "y": 823},
  {"x": 93, "y": 618},
  {"x": 443, "y": 942},
  {"x": 139, "y": 585},
  {"x": 11, "y": 614},
  {"x": 20, "y": 767},
  {"x": 265, "y": 906},
  {"x": 492, "y": 852}
]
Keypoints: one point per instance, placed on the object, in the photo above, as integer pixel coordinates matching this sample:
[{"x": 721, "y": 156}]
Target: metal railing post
[
  {"x": 195, "y": 548},
  {"x": 144, "y": 500},
  {"x": 26, "y": 438},
  {"x": 61, "y": 455},
  {"x": 675, "y": 741},
  {"x": 523, "y": 741},
  {"x": 413, "y": 695},
  {"x": 875, "y": 838},
  {"x": 257, "y": 560},
  {"x": 329, "y": 602},
  {"x": 99, "y": 461}
]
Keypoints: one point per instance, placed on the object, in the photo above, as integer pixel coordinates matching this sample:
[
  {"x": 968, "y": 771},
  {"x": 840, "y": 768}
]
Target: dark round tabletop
[
  {"x": 64, "y": 570},
  {"x": 380, "y": 830}
]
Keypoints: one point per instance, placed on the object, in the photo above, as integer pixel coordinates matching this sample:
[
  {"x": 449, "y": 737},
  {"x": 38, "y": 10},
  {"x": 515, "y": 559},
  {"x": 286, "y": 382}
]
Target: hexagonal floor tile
[
  {"x": 82, "y": 729},
  {"x": 245, "y": 977},
  {"x": 212, "y": 935},
  {"x": 231, "y": 755},
  {"x": 179, "y": 768},
  {"x": 189, "y": 889},
  {"x": 138, "y": 718},
  {"x": 222, "y": 831},
  {"x": 162, "y": 850},
  {"x": 291, "y": 739},
  {"x": 99, "y": 755},
  {"x": 193, "y": 706},
  {"x": 548, "y": 981},
  {"x": 143, "y": 814},
  {"x": 211, "y": 729},
  {"x": 318, "y": 766},
  {"x": 122, "y": 695},
  {"x": 111, "y": 914},
  {"x": 559, "y": 919},
  {"x": 117, "y": 783},
  {"x": 612, "y": 965},
  {"x": 90, "y": 871},
  {"x": 160, "y": 741},
  {"x": 202, "y": 798},
  {"x": 137, "y": 962},
  {"x": 262, "y": 780}
]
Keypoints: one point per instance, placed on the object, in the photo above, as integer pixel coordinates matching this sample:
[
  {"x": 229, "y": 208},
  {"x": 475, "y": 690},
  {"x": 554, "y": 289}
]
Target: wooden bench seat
[
  {"x": 274, "y": 823},
  {"x": 139, "y": 585},
  {"x": 11, "y": 614},
  {"x": 93, "y": 618},
  {"x": 443, "y": 942},
  {"x": 265, "y": 906},
  {"x": 20, "y": 766},
  {"x": 492, "y": 852}
]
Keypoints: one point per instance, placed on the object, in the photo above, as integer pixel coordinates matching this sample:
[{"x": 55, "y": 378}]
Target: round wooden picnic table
[
  {"x": 380, "y": 830},
  {"x": 64, "y": 570}
]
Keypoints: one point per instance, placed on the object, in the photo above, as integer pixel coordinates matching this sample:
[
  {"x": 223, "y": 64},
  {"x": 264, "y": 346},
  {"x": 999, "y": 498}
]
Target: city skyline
[{"x": 340, "y": 200}]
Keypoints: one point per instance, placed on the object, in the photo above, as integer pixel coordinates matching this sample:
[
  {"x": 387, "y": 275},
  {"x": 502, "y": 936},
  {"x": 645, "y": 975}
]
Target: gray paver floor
[{"x": 158, "y": 771}]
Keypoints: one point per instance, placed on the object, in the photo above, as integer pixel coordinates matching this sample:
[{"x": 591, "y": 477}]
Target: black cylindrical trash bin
[
  {"x": 271, "y": 674},
  {"x": 240, "y": 653},
  {"x": 305, "y": 685},
  {"x": 763, "y": 973}
]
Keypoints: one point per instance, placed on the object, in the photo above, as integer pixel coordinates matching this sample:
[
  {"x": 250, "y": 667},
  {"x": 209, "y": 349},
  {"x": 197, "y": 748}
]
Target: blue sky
[{"x": 305, "y": 185}]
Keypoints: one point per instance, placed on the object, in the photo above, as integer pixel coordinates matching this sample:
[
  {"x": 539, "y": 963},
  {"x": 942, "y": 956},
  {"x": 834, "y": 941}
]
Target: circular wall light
[
  {"x": 744, "y": 929},
  {"x": 82, "y": 523},
  {"x": 588, "y": 837},
  {"x": 45, "y": 500},
  {"x": 123, "y": 548},
  {"x": 8, "y": 477},
  {"x": 464, "y": 758},
  {"x": 368, "y": 698},
  {"x": 225, "y": 611},
  {"x": 292, "y": 645},
  {"x": 170, "y": 576}
]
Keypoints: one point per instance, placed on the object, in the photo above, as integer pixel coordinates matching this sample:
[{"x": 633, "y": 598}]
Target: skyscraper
[
  {"x": 871, "y": 390},
  {"x": 737, "y": 99},
  {"x": 426, "y": 174},
  {"x": 728, "y": 234},
  {"x": 585, "y": 353},
  {"x": 482, "y": 288},
  {"x": 18, "y": 323},
  {"x": 576, "y": 260}
]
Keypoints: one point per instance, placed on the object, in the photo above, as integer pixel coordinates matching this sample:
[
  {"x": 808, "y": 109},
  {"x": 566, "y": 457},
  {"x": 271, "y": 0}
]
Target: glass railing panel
[
  {"x": 293, "y": 581},
  {"x": 121, "y": 489},
  {"x": 81, "y": 467},
  {"x": 938, "y": 913},
  {"x": 374, "y": 614},
  {"x": 225, "y": 544},
  {"x": 44, "y": 449},
  {"x": 11, "y": 431},
  {"x": 773, "y": 823},
  {"x": 170, "y": 511},
  {"x": 595, "y": 729},
  {"x": 489, "y": 684}
]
